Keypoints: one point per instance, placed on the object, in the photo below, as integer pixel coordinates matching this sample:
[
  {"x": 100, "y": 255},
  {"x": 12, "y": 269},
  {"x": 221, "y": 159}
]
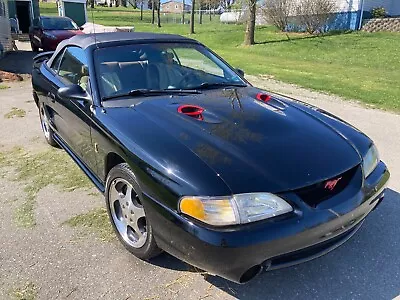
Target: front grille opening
[
  {"x": 319, "y": 192},
  {"x": 311, "y": 251}
]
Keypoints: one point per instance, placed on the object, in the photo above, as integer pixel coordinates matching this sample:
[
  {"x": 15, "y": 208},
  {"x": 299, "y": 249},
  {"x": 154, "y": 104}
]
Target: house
[
  {"x": 350, "y": 13},
  {"x": 392, "y": 7},
  {"x": 5, "y": 30},
  {"x": 24, "y": 11},
  {"x": 175, "y": 6}
]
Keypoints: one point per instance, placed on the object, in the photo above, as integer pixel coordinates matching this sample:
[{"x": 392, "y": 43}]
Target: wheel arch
[
  {"x": 36, "y": 98},
  {"x": 111, "y": 160}
]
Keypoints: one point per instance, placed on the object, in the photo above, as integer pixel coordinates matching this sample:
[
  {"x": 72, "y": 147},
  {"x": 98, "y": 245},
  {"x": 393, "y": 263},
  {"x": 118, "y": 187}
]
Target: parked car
[
  {"x": 47, "y": 32},
  {"x": 194, "y": 160}
]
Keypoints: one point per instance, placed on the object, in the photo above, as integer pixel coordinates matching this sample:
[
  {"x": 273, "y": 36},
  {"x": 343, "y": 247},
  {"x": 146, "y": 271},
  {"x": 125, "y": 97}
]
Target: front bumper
[{"x": 279, "y": 242}]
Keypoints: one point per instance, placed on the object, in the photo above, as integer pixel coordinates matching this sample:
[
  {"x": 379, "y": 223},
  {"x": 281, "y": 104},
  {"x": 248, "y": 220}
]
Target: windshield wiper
[
  {"x": 207, "y": 85},
  {"x": 148, "y": 92}
]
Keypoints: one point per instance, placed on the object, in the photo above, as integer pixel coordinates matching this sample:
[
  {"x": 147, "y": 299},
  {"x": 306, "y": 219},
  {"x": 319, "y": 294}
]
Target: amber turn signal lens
[{"x": 193, "y": 207}]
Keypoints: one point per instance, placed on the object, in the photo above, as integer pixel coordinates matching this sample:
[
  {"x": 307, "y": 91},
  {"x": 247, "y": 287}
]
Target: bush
[
  {"x": 314, "y": 15},
  {"x": 378, "y": 13},
  {"x": 278, "y": 12}
]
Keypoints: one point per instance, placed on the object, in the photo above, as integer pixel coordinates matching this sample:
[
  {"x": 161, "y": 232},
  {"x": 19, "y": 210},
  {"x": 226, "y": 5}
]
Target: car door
[{"x": 70, "y": 117}]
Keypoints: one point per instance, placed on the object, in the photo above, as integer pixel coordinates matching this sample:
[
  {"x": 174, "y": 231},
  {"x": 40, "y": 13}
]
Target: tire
[
  {"x": 34, "y": 48},
  {"x": 47, "y": 131},
  {"x": 127, "y": 213}
]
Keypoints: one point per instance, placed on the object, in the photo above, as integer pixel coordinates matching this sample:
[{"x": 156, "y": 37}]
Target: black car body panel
[{"x": 241, "y": 145}]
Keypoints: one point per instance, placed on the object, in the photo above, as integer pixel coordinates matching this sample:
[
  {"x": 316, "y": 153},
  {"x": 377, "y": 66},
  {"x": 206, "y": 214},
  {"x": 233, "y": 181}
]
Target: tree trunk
[
  {"x": 251, "y": 24},
  {"x": 192, "y": 18},
  {"x": 117, "y": 3},
  {"x": 158, "y": 14},
  {"x": 152, "y": 11},
  {"x": 141, "y": 10},
  {"x": 183, "y": 11},
  {"x": 91, "y": 3},
  {"x": 200, "y": 14},
  {"x": 209, "y": 9}
]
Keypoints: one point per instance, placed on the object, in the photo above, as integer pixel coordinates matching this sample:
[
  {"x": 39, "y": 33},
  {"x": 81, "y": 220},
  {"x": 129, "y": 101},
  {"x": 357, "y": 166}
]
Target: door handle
[{"x": 51, "y": 96}]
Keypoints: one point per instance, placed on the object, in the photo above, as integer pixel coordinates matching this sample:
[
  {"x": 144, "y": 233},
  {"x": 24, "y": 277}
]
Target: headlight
[
  {"x": 237, "y": 209},
  {"x": 50, "y": 36},
  {"x": 370, "y": 160}
]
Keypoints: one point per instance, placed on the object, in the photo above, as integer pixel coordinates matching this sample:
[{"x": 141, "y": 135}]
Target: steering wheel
[{"x": 189, "y": 79}]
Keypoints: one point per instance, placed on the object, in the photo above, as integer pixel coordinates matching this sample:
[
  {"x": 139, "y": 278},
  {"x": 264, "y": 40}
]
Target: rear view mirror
[
  {"x": 240, "y": 72},
  {"x": 73, "y": 92}
]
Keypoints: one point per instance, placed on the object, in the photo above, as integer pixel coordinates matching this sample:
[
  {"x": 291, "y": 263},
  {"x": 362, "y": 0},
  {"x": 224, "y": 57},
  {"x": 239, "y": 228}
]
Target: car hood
[
  {"x": 254, "y": 146},
  {"x": 64, "y": 34}
]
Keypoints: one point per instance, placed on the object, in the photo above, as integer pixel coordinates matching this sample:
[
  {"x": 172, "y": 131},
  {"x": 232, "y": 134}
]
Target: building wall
[
  {"x": 392, "y": 6},
  {"x": 395, "y": 8},
  {"x": 174, "y": 7},
  {"x": 5, "y": 32}
]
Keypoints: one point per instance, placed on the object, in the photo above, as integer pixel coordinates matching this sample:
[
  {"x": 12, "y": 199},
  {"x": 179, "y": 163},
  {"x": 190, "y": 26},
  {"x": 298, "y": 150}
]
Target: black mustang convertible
[{"x": 194, "y": 160}]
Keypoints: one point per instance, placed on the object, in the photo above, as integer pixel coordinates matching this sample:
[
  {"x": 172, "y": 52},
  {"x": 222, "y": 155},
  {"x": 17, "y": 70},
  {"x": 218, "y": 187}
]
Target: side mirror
[
  {"x": 240, "y": 72},
  {"x": 73, "y": 92}
]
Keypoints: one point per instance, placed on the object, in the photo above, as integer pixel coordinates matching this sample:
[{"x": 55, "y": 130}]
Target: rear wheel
[
  {"x": 45, "y": 124},
  {"x": 34, "y": 47},
  {"x": 127, "y": 213}
]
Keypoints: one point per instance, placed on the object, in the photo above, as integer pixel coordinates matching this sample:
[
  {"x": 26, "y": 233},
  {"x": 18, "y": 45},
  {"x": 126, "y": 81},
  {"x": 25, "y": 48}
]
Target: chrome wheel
[
  {"x": 45, "y": 124},
  {"x": 127, "y": 213}
]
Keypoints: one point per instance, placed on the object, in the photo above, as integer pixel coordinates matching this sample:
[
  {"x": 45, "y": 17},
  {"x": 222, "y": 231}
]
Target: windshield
[
  {"x": 160, "y": 66},
  {"x": 58, "y": 24}
]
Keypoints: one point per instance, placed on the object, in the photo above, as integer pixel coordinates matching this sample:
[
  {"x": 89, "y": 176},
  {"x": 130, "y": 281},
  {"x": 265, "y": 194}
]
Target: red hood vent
[
  {"x": 193, "y": 111},
  {"x": 263, "y": 97}
]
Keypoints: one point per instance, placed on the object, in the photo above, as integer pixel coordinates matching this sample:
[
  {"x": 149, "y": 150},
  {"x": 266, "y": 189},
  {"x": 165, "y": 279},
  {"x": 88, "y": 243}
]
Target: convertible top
[{"x": 87, "y": 40}]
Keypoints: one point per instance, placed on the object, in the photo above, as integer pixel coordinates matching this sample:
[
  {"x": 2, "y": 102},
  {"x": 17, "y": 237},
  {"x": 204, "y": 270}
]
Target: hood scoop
[
  {"x": 198, "y": 113},
  {"x": 194, "y": 111}
]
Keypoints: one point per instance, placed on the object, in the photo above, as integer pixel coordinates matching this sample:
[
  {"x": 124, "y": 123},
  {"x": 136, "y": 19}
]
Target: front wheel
[
  {"x": 45, "y": 124},
  {"x": 34, "y": 47},
  {"x": 127, "y": 213}
]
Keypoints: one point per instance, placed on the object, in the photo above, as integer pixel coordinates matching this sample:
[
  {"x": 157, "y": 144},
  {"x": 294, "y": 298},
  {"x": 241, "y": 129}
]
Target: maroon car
[{"x": 47, "y": 32}]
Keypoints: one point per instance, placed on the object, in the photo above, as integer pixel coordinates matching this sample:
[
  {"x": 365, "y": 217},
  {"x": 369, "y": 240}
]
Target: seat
[
  {"x": 163, "y": 76},
  {"x": 133, "y": 74},
  {"x": 84, "y": 80},
  {"x": 109, "y": 75}
]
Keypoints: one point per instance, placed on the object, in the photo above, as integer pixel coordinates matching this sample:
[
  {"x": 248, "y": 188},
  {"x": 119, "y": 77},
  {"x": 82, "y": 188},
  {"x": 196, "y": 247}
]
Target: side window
[
  {"x": 36, "y": 22},
  {"x": 73, "y": 67},
  {"x": 56, "y": 62}
]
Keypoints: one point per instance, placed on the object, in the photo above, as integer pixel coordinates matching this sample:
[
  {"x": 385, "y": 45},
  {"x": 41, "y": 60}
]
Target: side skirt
[{"x": 98, "y": 184}]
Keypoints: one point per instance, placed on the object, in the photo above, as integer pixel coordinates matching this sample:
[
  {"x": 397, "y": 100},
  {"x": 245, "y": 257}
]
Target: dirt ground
[{"x": 53, "y": 260}]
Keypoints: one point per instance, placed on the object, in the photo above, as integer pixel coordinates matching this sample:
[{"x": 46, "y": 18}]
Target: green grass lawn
[{"x": 358, "y": 65}]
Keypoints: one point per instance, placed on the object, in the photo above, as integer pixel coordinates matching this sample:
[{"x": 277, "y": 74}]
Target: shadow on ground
[
  {"x": 304, "y": 36},
  {"x": 19, "y": 62},
  {"x": 366, "y": 267}
]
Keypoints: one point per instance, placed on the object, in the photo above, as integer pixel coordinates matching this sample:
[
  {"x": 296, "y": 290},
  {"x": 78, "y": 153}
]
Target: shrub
[
  {"x": 278, "y": 12},
  {"x": 378, "y": 12},
  {"x": 314, "y": 15}
]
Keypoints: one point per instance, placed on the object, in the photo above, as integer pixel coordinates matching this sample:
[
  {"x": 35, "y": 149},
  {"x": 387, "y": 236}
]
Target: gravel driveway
[{"x": 52, "y": 260}]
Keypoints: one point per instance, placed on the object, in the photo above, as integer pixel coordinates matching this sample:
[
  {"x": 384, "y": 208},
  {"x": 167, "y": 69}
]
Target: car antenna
[{"x": 94, "y": 28}]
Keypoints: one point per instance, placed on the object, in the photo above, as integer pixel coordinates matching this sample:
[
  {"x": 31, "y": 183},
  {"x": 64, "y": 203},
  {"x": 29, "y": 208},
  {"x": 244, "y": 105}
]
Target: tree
[
  {"x": 158, "y": 14},
  {"x": 141, "y": 9},
  {"x": 278, "y": 12},
  {"x": 251, "y": 23},
  {"x": 192, "y": 18},
  {"x": 200, "y": 13},
  {"x": 314, "y": 15},
  {"x": 92, "y": 4},
  {"x": 183, "y": 11},
  {"x": 152, "y": 11}
]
